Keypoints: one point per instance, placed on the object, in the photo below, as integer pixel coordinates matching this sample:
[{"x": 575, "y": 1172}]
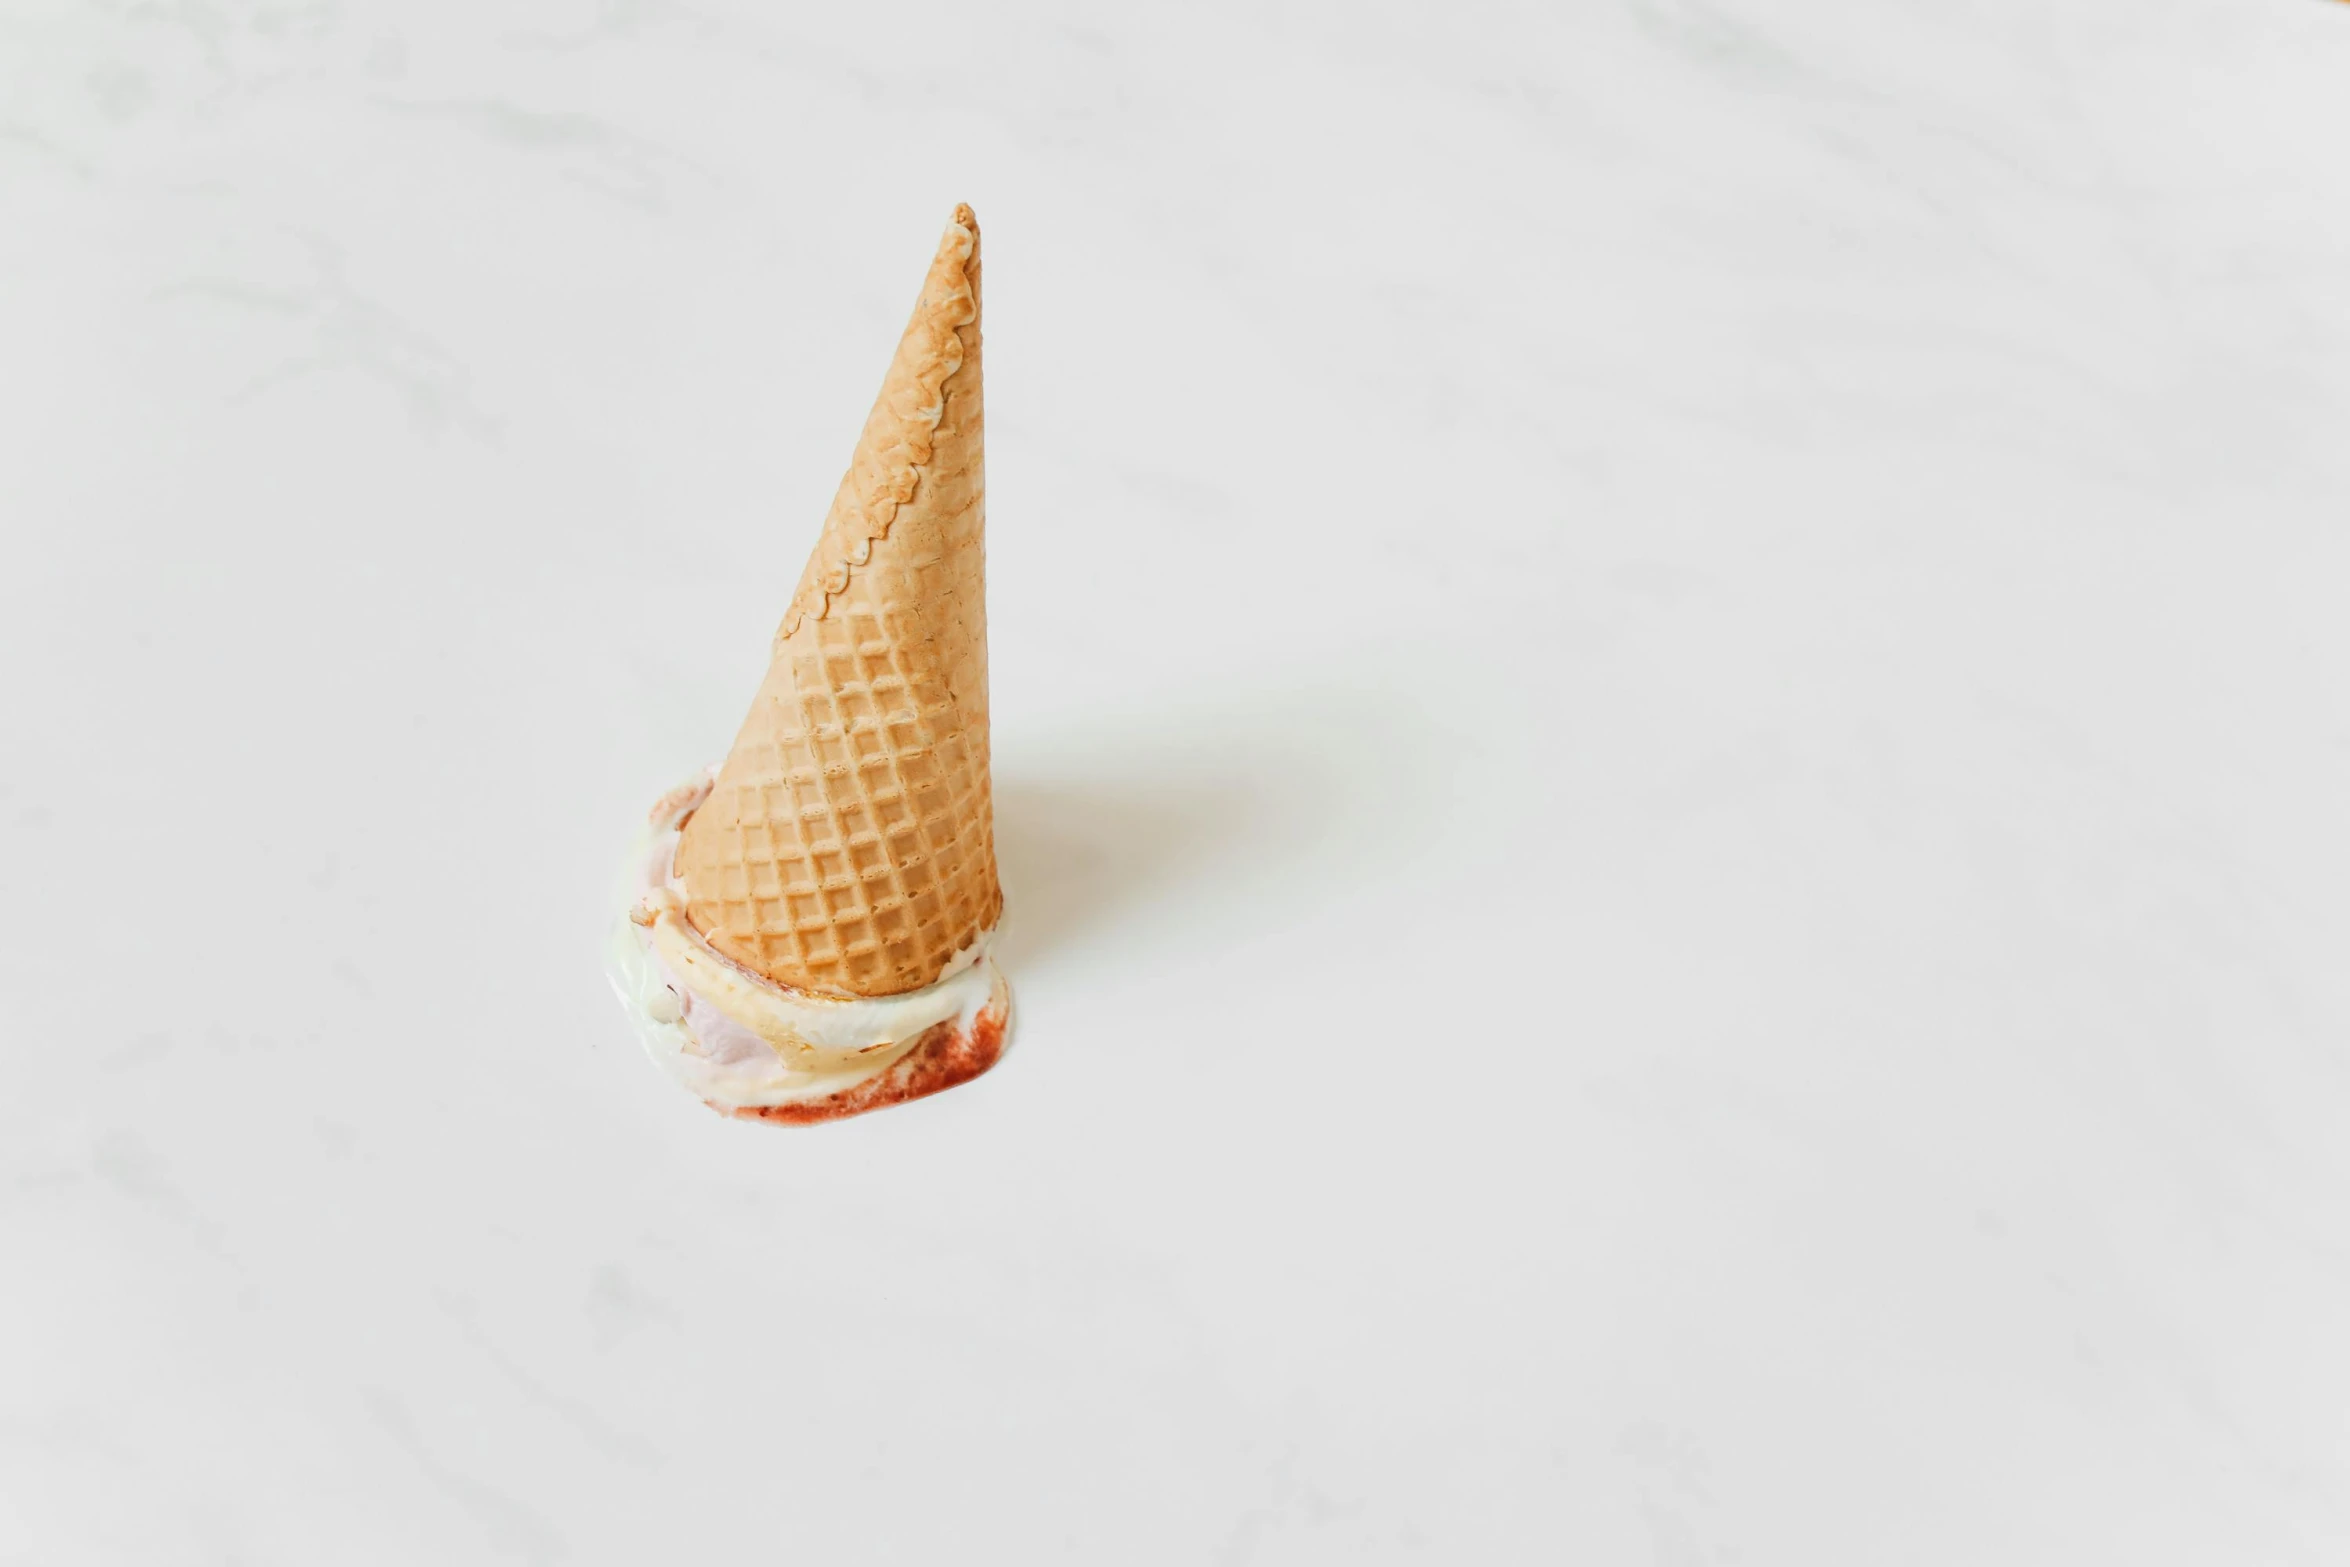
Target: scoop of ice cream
[{"x": 738, "y": 1039}]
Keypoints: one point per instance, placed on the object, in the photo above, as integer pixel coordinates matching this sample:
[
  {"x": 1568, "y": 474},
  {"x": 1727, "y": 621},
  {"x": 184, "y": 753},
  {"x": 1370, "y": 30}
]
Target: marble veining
[{"x": 1669, "y": 752}]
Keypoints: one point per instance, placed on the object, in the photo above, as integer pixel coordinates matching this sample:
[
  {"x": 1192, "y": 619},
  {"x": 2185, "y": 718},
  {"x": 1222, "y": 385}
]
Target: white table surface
[{"x": 1672, "y": 754}]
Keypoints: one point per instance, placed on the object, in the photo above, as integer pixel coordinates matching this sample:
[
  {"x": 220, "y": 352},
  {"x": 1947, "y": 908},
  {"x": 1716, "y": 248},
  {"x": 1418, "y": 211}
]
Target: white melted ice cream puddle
[{"x": 736, "y": 1039}]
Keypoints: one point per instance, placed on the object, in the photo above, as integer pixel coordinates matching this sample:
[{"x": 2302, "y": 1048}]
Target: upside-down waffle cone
[{"x": 848, "y": 845}]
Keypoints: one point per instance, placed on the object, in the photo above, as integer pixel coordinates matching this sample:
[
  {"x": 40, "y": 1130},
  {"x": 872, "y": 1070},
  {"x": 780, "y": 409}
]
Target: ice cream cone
[{"x": 848, "y": 844}]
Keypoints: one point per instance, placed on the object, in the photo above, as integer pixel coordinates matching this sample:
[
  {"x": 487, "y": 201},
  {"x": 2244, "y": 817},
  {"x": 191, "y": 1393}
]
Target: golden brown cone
[{"x": 848, "y": 846}]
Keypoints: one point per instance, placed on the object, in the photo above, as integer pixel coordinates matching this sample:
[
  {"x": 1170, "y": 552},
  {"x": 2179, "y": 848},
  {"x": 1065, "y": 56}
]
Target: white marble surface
[{"x": 1670, "y": 695}]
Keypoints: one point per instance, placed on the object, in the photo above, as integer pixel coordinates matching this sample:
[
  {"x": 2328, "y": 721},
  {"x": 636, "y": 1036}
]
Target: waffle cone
[{"x": 848, "y": 844}]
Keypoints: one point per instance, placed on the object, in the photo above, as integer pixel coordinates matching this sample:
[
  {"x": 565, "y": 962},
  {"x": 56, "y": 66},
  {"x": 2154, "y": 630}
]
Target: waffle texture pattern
[{"x": 848, "y": 844}]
